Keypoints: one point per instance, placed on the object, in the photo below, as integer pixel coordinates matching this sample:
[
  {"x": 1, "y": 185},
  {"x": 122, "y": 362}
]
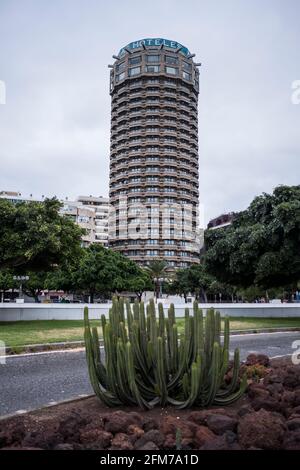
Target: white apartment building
[
  {"x": 90, "y": 213},
  {"x": 82, "y": 216},
  {"x": 100, "y": 207}
]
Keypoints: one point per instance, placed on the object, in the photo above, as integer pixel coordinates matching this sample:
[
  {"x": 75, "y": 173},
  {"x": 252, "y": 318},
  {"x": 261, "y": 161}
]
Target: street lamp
[{"x": 21, "y": 279}]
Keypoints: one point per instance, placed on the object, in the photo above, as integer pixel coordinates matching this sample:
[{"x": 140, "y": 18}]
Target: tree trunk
[
  {"x": 156, "y": 290},
  {"x": 30, "y": 293},
  {"x": 92, "y": 294}
]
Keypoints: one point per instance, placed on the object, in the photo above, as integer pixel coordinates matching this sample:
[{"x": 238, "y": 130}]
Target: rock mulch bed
[{"x": 267, "y": 417}]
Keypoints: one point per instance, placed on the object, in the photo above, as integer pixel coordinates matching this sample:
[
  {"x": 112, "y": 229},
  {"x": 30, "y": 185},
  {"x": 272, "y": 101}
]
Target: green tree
[
  {"x": 35, "y": 237},
  {"x": 199, "y": 281},
  {"x": 139, "y": 283},
  {"x": 6, "y": 282},
  {"x": 180, "y": 284},
  {"x": 36, "y": 283},
  {"x": 194, "y": 280},
  {"x": 61, "y": 278},
  {"x": 261, "y": 246},
  {"x": 220, "y": 291},
  {"x": 104, "y": 271},
  {"x": 157, "y": 269}
]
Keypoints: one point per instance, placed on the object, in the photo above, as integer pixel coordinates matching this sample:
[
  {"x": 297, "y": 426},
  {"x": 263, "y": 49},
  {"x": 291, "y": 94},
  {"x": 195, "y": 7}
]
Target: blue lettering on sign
[{"x": 155, "y": 42}]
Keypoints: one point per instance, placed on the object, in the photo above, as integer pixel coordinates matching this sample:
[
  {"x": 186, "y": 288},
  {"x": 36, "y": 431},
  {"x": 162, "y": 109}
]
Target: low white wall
[{"x": 33, "y": 311}]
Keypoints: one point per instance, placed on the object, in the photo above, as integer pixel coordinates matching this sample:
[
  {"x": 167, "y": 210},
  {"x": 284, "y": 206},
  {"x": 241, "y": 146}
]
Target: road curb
[
  {"x": 43, "y": 407},
  {"x": 36, "y": 348},
  {"x": 32, "y": 348}
]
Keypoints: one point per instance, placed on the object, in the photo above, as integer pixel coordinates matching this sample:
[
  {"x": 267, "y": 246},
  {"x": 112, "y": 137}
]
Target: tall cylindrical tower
[{"x": 154, "y": 87}]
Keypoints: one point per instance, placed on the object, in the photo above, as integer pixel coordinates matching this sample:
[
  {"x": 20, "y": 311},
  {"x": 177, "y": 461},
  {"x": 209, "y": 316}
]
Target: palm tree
[{"x": 157, "y": 271}]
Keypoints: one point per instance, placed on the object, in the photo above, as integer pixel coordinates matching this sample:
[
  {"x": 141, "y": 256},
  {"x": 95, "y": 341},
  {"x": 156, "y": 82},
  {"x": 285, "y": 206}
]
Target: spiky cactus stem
[{"x": 147, "y": 362}]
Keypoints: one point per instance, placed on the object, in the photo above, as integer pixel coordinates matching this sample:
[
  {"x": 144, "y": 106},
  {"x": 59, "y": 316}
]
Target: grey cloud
[{"x": 55, "y": 129}]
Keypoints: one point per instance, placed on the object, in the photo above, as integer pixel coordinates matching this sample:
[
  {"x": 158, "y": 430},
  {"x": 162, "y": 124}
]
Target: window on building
[
  {"x": 120, "y": 67},
  {"x": 153, "y": 232},
  {"x": 172, "y": 70},
  {"x": 171, "y": 59},
  {"x": 169, "y": 253},
  {"x": 120, "y": 76},
  {"x": 169, "y": 242},
  {"x": 187, "y": 76},
  {"x": 134, "y": 60},
  {"x": 83, "y": 219},
  {"x": 151, "y": 169},
  {"x": 186, "y": 66},
  {"x": 152, "y": 242},
  {"x": 153, "y": 58},
  {"x": 152, "y": 252},
  {"x": 152, "y": 178},
  {"x": 152, "y": 189},
  {"x": 134, "y": 71},
  {"x": 152, "y": 68},
  {"x": 152, "y": 80},
  {"x": 152, "y": 199}
]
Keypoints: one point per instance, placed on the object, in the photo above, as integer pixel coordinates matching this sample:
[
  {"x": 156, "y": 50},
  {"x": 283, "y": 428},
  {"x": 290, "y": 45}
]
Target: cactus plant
[{"x": 147, "y": 362}]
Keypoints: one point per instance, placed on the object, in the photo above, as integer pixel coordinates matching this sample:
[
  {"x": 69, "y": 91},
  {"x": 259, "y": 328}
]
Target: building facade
[
  {"x": 89, "y": 212},
  {"x": 154, "y": 87},
  {"x": 223, "y": 220},
  {"x": 100, "y": 206},
  {"x": 83, "y": 217}
]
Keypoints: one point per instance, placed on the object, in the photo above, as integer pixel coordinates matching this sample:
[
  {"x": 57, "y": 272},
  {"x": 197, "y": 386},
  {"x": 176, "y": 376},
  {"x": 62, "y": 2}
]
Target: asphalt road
[{"x": 32, "y": 381}]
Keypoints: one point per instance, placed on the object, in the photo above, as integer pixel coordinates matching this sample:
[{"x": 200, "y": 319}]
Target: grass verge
[{"x": 22, "y": 333}]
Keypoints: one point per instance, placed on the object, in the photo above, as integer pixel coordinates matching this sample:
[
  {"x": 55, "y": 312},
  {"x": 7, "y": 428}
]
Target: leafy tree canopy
[
  {"x": 101, "y": 270},
  {"x": 6, "y": 280},
  {"x": 35, "y": 237},
  {"x": 261, "y": 246},
  {"x": 197, "y": 281},
  {"x": 157, "y": 269}
]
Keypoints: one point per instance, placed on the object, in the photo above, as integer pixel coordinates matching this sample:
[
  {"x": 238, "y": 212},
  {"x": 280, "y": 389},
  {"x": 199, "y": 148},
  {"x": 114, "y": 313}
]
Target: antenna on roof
[{"x": 116, "y": 57}]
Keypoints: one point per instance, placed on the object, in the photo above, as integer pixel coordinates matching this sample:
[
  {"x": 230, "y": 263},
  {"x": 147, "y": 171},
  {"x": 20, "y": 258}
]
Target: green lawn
[
  {"x": 253, "y": 323},
  {"x": 22, "y": 333},
  {"x": 51, "y": 331}
]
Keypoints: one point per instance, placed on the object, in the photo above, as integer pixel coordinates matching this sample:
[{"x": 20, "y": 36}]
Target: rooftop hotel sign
[{"x": 155, "y": 42}]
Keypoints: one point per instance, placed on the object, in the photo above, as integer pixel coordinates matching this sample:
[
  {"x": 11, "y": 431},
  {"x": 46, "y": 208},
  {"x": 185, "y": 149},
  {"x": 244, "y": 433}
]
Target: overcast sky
[{"x": 55, "y": 126}]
